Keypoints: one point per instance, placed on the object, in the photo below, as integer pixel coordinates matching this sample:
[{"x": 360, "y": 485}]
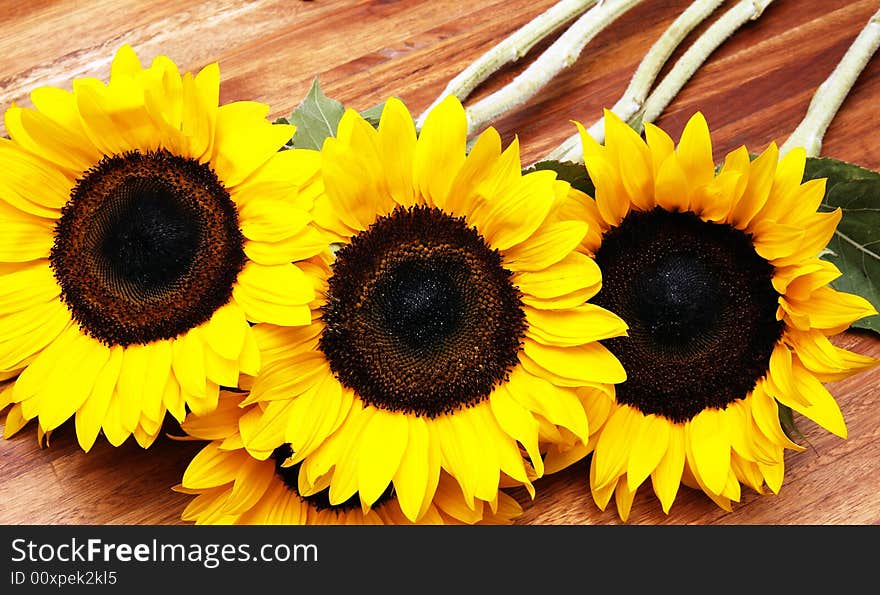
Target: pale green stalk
[
  {"x": 690, "y": 61},
  {"x": 633, "y": 99},
  {"x": 561, "y": 54},
  {"x": 831, "y": 93},
  {"x": 510, "y": 49}
]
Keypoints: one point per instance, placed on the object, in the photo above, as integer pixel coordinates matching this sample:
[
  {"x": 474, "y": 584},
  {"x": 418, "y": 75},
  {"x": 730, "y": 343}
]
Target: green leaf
[
  {"x": 788, "y": 424},
  {"x": 855, "y": 247},
  {"x": 316, "y": 118},
  {"x": 569, "y": 171},
  {"x": 373, "y": 114}
]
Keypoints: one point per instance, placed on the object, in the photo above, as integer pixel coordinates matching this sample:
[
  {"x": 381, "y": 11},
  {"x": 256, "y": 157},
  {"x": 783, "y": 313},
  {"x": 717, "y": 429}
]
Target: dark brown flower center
[
  {"x": 421, "y": 316},
  {"x": 147, "y": 247},
  {"x": 700, "y": 307}
]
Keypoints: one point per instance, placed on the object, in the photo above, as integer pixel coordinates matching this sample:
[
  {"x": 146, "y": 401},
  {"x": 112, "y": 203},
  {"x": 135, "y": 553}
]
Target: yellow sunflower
[
  {"x": 451, "y": 330},
  {"x": 729, "y": 312},
  {"x": 142, "y": 227},
  {"x": 232, "y": 487}
]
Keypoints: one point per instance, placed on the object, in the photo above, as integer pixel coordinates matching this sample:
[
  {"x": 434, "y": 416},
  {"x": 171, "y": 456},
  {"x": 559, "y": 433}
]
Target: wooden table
[{"x": 753, "y": 90}]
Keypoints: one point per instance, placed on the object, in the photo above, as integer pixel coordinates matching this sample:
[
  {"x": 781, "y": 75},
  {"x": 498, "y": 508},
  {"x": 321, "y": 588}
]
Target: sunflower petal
[
  {"x": 666, "y": 477},
  {"x": 708, "y": 435},
  {"x": 648, "y": 449}
]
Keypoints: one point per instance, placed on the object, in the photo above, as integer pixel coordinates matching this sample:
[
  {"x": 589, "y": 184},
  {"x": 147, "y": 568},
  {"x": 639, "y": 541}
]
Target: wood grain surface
[{"x": 753, "y": 90}]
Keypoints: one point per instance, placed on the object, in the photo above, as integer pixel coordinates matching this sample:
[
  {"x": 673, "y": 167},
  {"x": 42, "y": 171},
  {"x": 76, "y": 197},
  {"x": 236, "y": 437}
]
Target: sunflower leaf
[
  {"x": 568, "y": 171},
  {"x": 789, "y": 426},
  {"x": 316, "y": 118},
  {"x": 373, "y": 114},
  {"x": 855, "y": 247}
]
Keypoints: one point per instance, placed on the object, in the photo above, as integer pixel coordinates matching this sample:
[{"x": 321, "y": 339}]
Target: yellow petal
[
  {"x": 250, "y": 484},
  {"x": 47, "y": 138},
  {"x": 271, "y": 219},
  {"x": 666, "y": 478},
  {"x": 634, "y": 160},
  {"x": 211, "y": 467},
  {"x": 548, "y": 245},
  {"x": 471, "y": 184},
  {"x": 512, "y": 218},
  {"x": 416, "y": 473},
  {"x": 112, "y": 423},
  {"x": 648, "y": 449},
  {"x": 559, "y": 406},
  {"x": 30, "y": 338},
  {"x": 201, "y": 94},
  {"x": 454, "y": 455},
  {"x": 306, "y": 243},
  {"x": 440, "y": 150},
  {"x": 158, "y": 372},
  {"x": 125, "y": 63},
  {"x": 225, "y": 331},
  {"x": 780, "y": 380},
  {"x": 278, "y": 294},
  {"x": 574, "y": 272},
  {"x": 589, "y": 363},
  {"x": 262, "y": 429},
  {"x": 575, "y": 326},
  {"x": 290, "y": 377},
  {"x": 130, "y": 388},
  {"x": 789, "y": 173},
  {"x": 660, "y": 144},
  {"x": 34, "y": 377},
  {"x": 220, "y": 370},
  {"x": 14, "y": 422},
  {"x": 249, "y": 361},
  {"x": 90, "y": 416},
  {"x": 315, "y": 415},
  {"x": 27, "y": 284},
  {"x": 773, "y": 240},
  {"x": 518, "y": 422},
  {"x": 695, "y": 151},
  {"x": 614, "y": 446},
  {"x": 25, "y": 239},
  {"x": 623, "y": 497},
  {"x": 71, "y": 381},
  {"x": 245, "y": 140},
  {"x": 397, "y": 141},
  {"x": 822, "y": 409},
  {"x": 383, "y": 442},
  {"x": 765, "y": 414},
  {"x": 344, "y": 483},
  {"x": 761, "y": 172},
  {"x": 671, "y": 186},
  {"x": 708, "y": 435},
  {"x": 188, "y": 361}
]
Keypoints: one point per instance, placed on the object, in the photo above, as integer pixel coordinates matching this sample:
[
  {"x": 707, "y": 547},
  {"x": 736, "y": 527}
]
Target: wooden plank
[{"x": 753, "y": 90}]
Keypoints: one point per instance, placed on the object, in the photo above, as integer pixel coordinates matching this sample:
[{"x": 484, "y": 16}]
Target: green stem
[
  {"x": 633, "y": 99},
  {"x": 561, "y": 54},
  {"x": 831, "y": 93},
  {"x": 690, "y": 61},
  {"x": 510, "y": 49}
]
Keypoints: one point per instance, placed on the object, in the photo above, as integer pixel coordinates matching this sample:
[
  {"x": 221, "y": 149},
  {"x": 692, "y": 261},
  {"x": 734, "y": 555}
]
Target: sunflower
[
  {"x": 142, "y": 227},
  {"x": 451, "y": 330},
  {"x": 232, "y": 487},
  {"x": 729, "y": 312}
]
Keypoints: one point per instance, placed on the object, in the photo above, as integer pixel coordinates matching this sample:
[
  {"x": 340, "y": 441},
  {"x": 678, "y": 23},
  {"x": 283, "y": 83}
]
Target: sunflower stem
[
  {"x": 695, "y": 55},
  {"x": 636, "y": 93},
  {"x": 831, "y": 93},
  {"x": 561, "y": 54},
  {"x": 509, "y": 50}
]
